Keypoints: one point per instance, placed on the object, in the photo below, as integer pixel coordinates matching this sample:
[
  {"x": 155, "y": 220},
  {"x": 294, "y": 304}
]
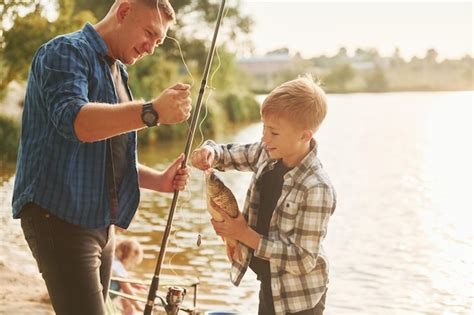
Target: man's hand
[
  {"x": 174, "y": 104},
  {"x": 203, "y": 158},
  {"x": 174, "y": 177}
]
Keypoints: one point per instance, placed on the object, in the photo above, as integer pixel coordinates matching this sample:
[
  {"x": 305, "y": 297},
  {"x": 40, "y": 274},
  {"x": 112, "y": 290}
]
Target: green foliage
[
  {"x": 339, "y": 76},
  {"x": 367, "y": 71},
  {"x": 151, "y": 75},
  {"x": 3, "y": 76},
  {"x": 221, "y": 110},
  {"x": 21, "y": 42},
  {"x": 240, "y": 108},
  {"x": 10, "y": 135},
  {"x": 376, "y": 80},
  {"x": 98, "y": 8},
  {"x": 298, "y": 67}
]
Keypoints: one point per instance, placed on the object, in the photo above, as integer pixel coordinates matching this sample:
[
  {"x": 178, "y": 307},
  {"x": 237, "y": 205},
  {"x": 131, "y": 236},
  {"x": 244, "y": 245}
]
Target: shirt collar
[
  {"x": 95, "y": 40},
  {"x": 310, "y": 161}
]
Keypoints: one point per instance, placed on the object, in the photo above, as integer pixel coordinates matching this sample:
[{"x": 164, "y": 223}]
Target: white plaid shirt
[{"x": 298, "y": 266}]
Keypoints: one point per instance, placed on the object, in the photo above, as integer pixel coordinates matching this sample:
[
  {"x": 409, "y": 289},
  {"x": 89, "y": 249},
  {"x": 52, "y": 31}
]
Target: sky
[{"x": 315, "y": 27}]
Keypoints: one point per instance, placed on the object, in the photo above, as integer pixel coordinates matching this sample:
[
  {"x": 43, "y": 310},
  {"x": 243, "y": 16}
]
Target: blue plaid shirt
[{"x": 55, "y": 169}]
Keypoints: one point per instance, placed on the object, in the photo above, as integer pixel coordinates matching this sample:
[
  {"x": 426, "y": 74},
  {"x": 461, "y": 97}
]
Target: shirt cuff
[
  {"x": 65, "y": 118},
  {"x": 265, "y": 248},
  {"x": 217, "y": 151}
]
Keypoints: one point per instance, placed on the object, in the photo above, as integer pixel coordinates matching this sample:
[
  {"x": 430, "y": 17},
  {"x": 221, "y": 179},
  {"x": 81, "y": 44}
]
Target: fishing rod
[{"x": 156, "y": 278}]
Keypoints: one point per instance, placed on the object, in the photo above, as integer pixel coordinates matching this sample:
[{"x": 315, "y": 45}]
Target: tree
[
  {"x": 342, "y": 53},
  {"x": 279, "y": 51},
  {"x": 339, "y": 76},
  {"x": 9, "y": 12},
  {"x": 297, "y": 67},
  {"x": 375, "y": 80},
  {"x": 431, "y": 56},
  {"x": 20, "y": 42},
  {"x": 396, "y": 60},
  {"x": 98, "y": 8}
]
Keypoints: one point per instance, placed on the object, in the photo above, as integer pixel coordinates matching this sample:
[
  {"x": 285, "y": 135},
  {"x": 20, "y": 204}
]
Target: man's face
[{"x": 141, "y": 29}]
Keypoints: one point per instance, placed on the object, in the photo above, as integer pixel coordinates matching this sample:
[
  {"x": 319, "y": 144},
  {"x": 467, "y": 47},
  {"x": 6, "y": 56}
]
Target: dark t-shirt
[
  {"x": 120, "y": 142},
  {"x": 270, "y": 186}
]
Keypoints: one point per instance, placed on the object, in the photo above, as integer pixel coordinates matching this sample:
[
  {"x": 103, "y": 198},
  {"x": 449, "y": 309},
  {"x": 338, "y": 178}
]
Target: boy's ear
[{"x": 307, "y": 135}]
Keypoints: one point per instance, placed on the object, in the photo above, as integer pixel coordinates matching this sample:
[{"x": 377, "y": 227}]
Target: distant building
[{"x": 265, "y": 67}]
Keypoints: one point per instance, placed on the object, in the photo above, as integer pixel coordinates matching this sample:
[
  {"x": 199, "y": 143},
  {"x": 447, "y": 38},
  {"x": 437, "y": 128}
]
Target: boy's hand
[
  {"x": 230, "y": 227},
  {"x": 234, "y": 253},
  {"x": 203, "y": 158},
  {"x": 236, "y": 228}
]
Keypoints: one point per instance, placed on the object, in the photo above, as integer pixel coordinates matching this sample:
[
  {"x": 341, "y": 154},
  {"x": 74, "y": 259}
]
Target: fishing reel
[{"x": 174, "y": 299}]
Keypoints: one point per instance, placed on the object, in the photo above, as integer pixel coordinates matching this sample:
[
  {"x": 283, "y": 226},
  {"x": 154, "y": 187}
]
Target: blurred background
[{"x": 397, "y": 141}]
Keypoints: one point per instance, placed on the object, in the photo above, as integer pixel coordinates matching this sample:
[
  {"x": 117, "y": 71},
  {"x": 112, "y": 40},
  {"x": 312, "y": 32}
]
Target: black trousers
[
  {"x": 266, "y": 306},
  {"x": 75, "y": 262}
]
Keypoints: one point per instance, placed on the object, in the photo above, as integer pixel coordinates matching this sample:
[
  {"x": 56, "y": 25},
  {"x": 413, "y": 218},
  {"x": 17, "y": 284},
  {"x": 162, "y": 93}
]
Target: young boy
[{"x": 289, "y": 201}]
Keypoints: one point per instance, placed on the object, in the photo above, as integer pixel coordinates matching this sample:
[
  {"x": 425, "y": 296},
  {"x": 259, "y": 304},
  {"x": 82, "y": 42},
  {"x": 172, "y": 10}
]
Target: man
[{"x": 77, "y": 173}]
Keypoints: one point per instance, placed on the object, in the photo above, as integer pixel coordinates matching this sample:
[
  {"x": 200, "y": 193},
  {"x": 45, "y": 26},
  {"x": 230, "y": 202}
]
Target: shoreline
[
  {"x": 22, "y": 292},
  {"x": 22, "y": 289}
]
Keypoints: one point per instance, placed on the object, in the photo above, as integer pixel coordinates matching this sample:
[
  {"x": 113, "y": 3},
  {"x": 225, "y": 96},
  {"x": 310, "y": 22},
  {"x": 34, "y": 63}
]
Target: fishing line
[
  {"x": 182, "y": 58},
  {"x": 187, "y": 191},
  {"x": 206, "y": 111},
  {"x": 155, "y": 281},
  {"x": 210, "y": 88},
  {"x": 203, "y": 185}
]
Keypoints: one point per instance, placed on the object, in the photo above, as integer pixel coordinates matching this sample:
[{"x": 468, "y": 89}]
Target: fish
[{"x": 220, "y": 196}]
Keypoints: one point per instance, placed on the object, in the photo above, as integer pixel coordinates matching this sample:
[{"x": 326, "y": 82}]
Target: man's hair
[
  {"x": 301, "y": 101},
  {"x": 163, "y": 6}
]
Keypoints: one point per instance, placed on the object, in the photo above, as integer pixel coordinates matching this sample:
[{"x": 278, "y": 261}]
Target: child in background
[{"x": 128, "y": 255}]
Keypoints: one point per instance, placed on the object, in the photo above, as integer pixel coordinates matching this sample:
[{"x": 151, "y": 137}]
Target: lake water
[{"x": 400, "y": 241}]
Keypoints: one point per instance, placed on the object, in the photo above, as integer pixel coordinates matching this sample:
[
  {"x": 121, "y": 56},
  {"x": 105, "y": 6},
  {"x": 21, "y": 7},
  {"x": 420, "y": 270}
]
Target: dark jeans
[
  {"x": 75, "y": 262},
  {"x": 266, "y": 307}
]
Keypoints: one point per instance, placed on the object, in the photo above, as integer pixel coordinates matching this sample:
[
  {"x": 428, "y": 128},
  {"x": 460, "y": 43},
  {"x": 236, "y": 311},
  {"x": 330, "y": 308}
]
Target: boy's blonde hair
[
  {"x": 129, "y": 252},
  {"x": 301, "y": 101}
]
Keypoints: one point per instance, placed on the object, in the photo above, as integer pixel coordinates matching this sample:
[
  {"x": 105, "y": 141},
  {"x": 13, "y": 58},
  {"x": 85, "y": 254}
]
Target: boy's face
[{"x": 285, "y": 140}]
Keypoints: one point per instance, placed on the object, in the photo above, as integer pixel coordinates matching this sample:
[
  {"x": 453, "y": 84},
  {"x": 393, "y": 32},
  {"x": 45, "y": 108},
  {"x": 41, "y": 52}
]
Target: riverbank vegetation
[
  {"x": 365, "y": 70},
  {"x": 10, "y": 134}
]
